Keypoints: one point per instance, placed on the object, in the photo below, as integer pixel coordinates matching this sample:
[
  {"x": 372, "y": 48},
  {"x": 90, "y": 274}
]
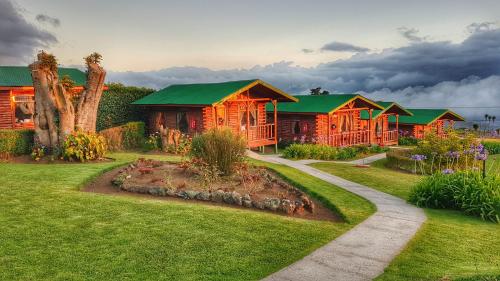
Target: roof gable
[
  {"x": 423, "y": 116},
  {"x": 205, "y": 93},
  {"x": 389, "y": 107},
  {"x": 321, "y": 104},
  {"x": 20, "y": 76}
]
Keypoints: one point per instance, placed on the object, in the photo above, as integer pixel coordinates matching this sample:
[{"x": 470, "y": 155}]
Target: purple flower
[
  {"x": 453, "y": 154},
  {"x": 482, "y": 156},
  {"x": 448, "y": 171},
  {"x": 418, "y": 157},
  {"x": 480, "y": 148}
]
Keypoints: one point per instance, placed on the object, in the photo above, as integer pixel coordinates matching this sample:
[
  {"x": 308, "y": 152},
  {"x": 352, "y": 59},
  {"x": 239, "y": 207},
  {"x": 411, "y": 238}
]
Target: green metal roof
[
  {"x": 423, "y": 116},
  {"x": 319, "y": 104},
  {"x": 386, "y": 105},
  {"x": 202, "y": 94},
  {"x": 20, "y": 76}
]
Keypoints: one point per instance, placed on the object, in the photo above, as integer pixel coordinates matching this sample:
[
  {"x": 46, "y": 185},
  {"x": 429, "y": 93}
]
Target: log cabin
[
  {"x": 17, "y": 95},
  {"x": 426, "y": 120},
  {"x": 384, "y": 133},
  {"x": 330, "y": 119},
  {"x": 239, "y": 105}
]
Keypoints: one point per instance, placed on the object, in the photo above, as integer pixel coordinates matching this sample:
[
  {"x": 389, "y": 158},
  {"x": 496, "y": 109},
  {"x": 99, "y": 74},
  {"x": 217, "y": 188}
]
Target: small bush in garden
[
  {"x": 493, "y": 147},
  {"x": 466, "y": 191},
  {"x": 153, "y": 142},
  {"x": 80, "y": 146},
  {"x": 409, "y": 140},
  {"x": 15, "y": 142},
  {"x": 38, "y": 152},
  {"x": 220, "y": 148}
]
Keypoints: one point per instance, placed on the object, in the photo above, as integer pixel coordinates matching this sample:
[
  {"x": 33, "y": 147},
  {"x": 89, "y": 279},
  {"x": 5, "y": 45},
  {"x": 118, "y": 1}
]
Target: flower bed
[{"x": 250, "y": 187}]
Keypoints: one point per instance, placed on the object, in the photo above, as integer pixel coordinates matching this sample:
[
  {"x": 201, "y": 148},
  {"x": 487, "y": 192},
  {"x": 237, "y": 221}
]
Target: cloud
[
  {"x": 55, "y": 22},
  {"x": 307, "y": 51},
  {"x": 481, "y": 26},
  {"x": 411, "y": 34},
  {"x": 471, "y": 97},
  {"x": 421, "y": 66},
  {"x": 19, "y": 39},
  {"x": 343, "y": 47}
]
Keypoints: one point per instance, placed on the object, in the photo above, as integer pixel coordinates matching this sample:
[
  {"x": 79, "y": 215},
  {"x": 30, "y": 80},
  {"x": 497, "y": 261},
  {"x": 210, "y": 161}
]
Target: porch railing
[
  {"x": 350, "y": 138},
  {"x": 390, "y": 136},
  {"x": 262, "y": 132}
]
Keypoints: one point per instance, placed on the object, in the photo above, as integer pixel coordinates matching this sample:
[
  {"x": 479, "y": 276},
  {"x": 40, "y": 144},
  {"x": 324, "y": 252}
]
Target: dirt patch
[{"x": 169, "y": 181}]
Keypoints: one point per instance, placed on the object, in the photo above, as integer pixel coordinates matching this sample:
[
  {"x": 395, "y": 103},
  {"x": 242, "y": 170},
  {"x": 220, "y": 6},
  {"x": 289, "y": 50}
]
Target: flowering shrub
[
  {"x": 409, "y": 140},
  {"x": 38, "y": 152},
  {"x": 15, "y": 142},
  {"x": 463, "y": 190},
  {"x": 80, "y": 146},
  {"x": 153, "y": 142}
]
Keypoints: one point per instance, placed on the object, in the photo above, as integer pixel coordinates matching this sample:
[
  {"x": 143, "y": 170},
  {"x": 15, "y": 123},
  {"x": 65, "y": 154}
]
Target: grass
[
  {"x": 448, "y": 244},
  {"x": 51, "y": 231}
]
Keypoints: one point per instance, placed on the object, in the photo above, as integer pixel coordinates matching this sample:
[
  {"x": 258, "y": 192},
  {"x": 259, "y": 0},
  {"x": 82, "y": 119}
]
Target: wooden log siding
[{"x": 6, "y": 117}]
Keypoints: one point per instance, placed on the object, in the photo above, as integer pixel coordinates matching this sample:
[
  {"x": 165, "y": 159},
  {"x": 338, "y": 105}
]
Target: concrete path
[
  {"x": 366, "y": 160},
  {"x": 363, "y": 252}
]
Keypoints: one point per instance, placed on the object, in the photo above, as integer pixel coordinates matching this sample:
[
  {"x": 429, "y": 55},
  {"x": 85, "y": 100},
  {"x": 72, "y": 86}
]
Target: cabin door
[{"x": 248, "y": 120}]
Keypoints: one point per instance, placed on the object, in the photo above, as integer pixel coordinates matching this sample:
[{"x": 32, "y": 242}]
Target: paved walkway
[
  {"x": 366, "y": 160},
  {"x": 363, "y": 252}
]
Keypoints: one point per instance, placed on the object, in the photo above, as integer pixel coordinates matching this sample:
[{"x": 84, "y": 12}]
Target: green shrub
[
  {"x": 83, "y": 147},
  {"x": 128, "y": 136},
  {"x": 219, "y": 148},
  {"x": 410, "y": 141},
  {"x": 115, "y": 107},
  {"x": 16, "y": 142},
  {"x": 326, "y": 152},
  {"x": 466, "y": 191},
  {"x": 493, "y": 147}
]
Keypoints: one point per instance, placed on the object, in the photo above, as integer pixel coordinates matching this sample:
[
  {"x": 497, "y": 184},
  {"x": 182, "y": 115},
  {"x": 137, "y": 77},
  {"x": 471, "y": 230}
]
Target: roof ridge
[{"x": 208, "y": 83}]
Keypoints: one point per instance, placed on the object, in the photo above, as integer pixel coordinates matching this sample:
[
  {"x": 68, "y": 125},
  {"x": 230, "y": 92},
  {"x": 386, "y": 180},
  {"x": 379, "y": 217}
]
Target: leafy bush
[
  {"x": 493, "y": 147},
  {"x": 15, "y": 142},
  {"x": 466, "y": 191},
  {"x": 219, "y": 148},
  {"x": 128, "y": 136},
  {"x": 83, "y": 147},
  {"x": 115, "y": 107},
  {"x": 153, "y": 142},
  {"x": 326, "y": 152},
  {"x": 410, "y": 141}
]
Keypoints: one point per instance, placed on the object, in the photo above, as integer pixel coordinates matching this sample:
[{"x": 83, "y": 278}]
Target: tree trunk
[
  {"x": 86, "y": 116},
  {"x": 55, "y": 115}
]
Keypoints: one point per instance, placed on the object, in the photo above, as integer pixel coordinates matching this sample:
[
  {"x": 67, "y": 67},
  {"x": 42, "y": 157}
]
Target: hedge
[
  {"x": 493, "y": 147},
  {"x": 115, "y": 107},
  {"x": 128, "y": 136},
  {"x": 16, "y": 142}
]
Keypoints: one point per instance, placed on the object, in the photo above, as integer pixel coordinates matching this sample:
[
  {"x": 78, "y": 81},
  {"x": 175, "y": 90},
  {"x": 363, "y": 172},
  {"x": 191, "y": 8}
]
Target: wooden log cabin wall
[
  {"x": 238, "y": 105},
  {"x": 423, "y": 121},
  {"x": 333, "y": 120},
  {"x": 17, "y": 95}
]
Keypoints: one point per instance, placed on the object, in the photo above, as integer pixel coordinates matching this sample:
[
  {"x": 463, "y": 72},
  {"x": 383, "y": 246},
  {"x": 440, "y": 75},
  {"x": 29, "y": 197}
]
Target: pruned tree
[{"x": 56, "y": 114}]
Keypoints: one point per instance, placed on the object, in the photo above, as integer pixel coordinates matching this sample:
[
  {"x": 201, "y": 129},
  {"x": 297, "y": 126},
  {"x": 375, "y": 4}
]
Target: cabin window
[
  {"x": 296, "y": 127},
  {"x": 252, "y": 116},
  {"x": 182, "y": 121},
  {"x": 24, "y": 109}
]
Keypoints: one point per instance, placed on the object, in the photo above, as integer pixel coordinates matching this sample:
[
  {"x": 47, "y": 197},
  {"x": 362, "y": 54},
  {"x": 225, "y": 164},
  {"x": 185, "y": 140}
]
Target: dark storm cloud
[
  {"x": 411, "y": 34},
  {"x": 19, "y": 39},
  {"x": 343, "y": 47},
  {"x": 48, "y": 19}
]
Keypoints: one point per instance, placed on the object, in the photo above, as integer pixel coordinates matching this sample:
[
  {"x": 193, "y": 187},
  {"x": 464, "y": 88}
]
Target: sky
[{"x": 438, "y": 53}]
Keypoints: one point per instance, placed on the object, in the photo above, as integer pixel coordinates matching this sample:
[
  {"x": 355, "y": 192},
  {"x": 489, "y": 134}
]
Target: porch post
[
  {"x": 275, "y": 127},
  {"x": 328, "y": 132},
  {"x": 248, "y": 122},
  {"x": 215, "y": 116},
  {"x": 12, "y": 109},
  {"x": 397, "y": 129},
  {"x": 370, "y": 126}
]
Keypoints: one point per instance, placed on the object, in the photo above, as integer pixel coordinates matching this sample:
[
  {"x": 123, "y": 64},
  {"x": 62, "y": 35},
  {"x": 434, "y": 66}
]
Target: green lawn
[
  {"x": 51, "y": 231},
  {"x": 448, "y": 244}
]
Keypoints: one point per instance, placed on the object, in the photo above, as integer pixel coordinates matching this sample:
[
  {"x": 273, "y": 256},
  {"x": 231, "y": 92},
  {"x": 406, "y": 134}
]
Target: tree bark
[{"x": 86, "y": 116}]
